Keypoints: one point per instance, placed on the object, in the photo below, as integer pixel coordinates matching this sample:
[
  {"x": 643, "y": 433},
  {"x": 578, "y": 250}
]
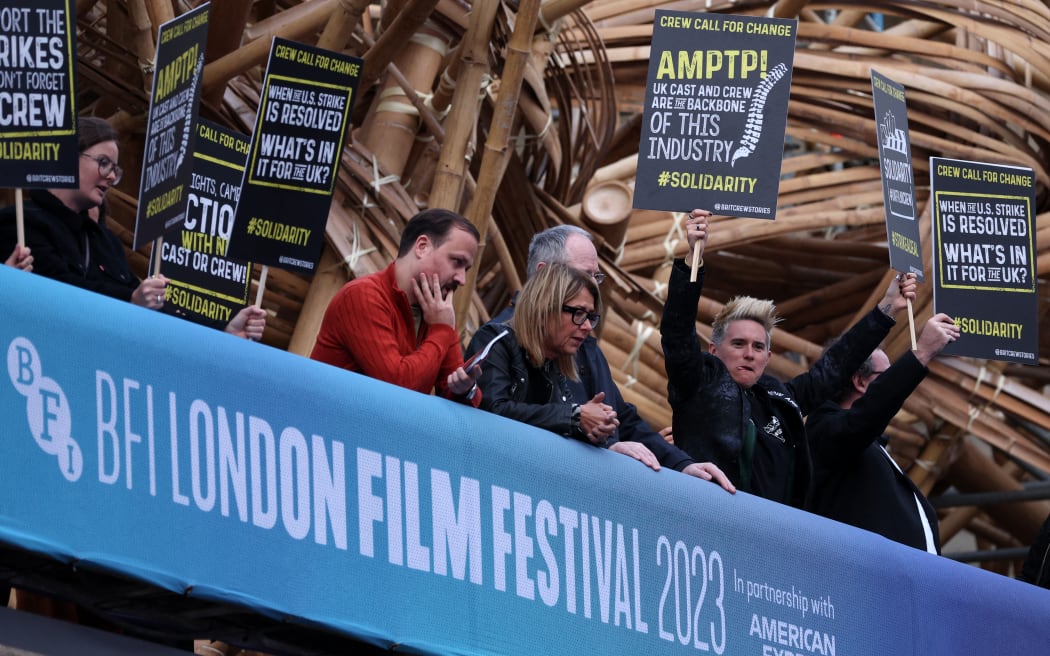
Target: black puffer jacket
[{"x": 710, "y": 410}]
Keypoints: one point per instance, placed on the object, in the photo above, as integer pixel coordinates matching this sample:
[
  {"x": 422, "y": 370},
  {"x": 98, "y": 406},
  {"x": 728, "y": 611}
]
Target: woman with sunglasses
[
  {"x": 525, "y": 375},
  {"x": 67, "y": 233}
]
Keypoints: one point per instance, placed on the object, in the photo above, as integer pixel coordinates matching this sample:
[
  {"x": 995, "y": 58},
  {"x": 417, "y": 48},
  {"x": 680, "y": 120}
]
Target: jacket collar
[{"x": 75, "y": 221}]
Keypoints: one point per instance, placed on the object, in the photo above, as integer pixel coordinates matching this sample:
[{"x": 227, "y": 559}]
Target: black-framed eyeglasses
[
  {"x": 579, "y": 315},
  {"x": 106, "y": 166},
  {"x": 599, "y": 277}
]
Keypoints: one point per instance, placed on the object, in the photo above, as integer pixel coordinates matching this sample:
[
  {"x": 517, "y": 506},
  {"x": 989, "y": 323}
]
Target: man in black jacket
[
  {"x": 726, "y": 409},
  {"x": 856, "y": 482},
  {"x": 629, "y": 433}
]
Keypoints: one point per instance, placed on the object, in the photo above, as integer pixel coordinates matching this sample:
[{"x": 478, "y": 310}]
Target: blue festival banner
[{"x": 400, "y": 518}]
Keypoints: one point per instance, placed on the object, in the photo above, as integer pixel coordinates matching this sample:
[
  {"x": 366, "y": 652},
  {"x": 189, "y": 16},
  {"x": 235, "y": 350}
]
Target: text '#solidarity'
[
  {"x": 281, "y": 232},
  {"x": 197, "y": 304}
]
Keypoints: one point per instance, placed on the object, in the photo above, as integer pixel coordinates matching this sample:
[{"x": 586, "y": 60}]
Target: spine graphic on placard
[
  {"x": 187, "y": 124},
  {"x": 753, "y": 129}
]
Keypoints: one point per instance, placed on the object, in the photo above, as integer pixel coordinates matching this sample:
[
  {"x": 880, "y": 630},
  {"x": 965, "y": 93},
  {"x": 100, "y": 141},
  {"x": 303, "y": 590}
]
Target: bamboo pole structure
[
  {"x": 974, "y": 472},
  {"x": 344, "y": 19},
  {"x": 473, "y": 68},
  {"x": 496, "y": 154},
  {"x": 392, "y": 123},
  {"x": 294, "y": 24},
  {"x": 145, "y": 32},
  {"x": 85, "y": 6},
  {"x": 160, "y": 12},
  {"x": 410, "y": 18},
  {"x": 228, "y": 20},
  {"x": 328, "y": 280}
]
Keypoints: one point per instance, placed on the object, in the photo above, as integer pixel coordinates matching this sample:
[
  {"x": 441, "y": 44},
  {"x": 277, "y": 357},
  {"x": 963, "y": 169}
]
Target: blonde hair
[
  {"x": 538, "y": 310},
  {"x": 760, "y": 310}
]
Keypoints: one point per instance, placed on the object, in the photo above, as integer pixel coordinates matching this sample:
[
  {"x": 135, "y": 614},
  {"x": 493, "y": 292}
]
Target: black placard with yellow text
[
  {"x": 715, "y": 113},
  {"x": 303, "y": 117},
  {"x": 168, "y": 159},
  {"x": 38, "y": 129},
  {"x": 984, "y": 257},
  {"x": 204, "y": 285}
]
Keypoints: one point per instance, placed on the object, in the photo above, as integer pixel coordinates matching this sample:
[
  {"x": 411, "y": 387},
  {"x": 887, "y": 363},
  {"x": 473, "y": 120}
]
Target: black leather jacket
[
  {"x": 710, "y": 410},
  {"x": 507, "y": 378},
  {"x": 595, "y": 376}
]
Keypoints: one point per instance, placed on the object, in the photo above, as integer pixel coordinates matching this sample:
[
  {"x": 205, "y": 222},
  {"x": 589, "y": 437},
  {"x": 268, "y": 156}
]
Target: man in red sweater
[{"x": 399, "y": 324}]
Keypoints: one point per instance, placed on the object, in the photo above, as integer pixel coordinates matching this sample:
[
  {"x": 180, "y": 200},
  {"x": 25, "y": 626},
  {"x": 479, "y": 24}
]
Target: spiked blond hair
[{"x": 760, "y": 310}]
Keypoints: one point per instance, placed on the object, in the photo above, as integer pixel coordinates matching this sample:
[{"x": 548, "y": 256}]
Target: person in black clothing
[
  {"x": 630, "y": 434},
  {"x": 70, "y": 245},
  {"x": 70, "y": 241},
  {"x": 725, "y": 408},
  {"x": 526, "y": 373},
  {"x": 855, "y": 479}
]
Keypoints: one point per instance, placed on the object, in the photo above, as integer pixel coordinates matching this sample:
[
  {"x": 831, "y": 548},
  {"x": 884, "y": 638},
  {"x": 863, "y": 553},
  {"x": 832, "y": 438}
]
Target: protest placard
[
  {"x": 38, "y": 129},
  {"x": 714, "y": 118},
  {"x": 984, "y": 257},
  {"x": 167, "y": 160},
  {"x": 300, "y": 129},
  {"x": 898, "y": 184},
  {"x": 204, "y": 286}
]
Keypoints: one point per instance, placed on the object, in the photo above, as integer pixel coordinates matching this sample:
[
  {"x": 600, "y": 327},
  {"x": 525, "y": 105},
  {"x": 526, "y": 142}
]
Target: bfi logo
[{"x": 47, "y": 409}]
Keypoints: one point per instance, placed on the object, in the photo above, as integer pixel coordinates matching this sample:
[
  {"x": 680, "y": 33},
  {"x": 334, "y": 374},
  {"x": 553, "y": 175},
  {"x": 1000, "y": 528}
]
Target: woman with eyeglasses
[
  {"x": 66, "y": 228},
  {"x": 525, "y": 375}
]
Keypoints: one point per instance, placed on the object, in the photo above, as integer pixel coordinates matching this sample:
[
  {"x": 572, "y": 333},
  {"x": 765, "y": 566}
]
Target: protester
[
  {"x": 855, "y": 479},
  {"x": 399, "y": 325},
  {"x": 21, "y": 258},
  {"x": 573, "y": 246},
  {"x": 526, "y": 374},
  {"x": 725, "y": 409},
  {"x": 68, "y": 244},
  {"x": 66, "y": 230}
]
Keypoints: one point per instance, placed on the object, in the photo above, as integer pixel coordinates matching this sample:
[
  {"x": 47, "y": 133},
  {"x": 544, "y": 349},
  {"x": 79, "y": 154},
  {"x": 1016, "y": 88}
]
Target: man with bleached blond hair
[{"x": 726, "y": 409}]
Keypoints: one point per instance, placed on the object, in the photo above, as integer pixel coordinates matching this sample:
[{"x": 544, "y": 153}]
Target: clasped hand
[{"x": 598, "y": 420}]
